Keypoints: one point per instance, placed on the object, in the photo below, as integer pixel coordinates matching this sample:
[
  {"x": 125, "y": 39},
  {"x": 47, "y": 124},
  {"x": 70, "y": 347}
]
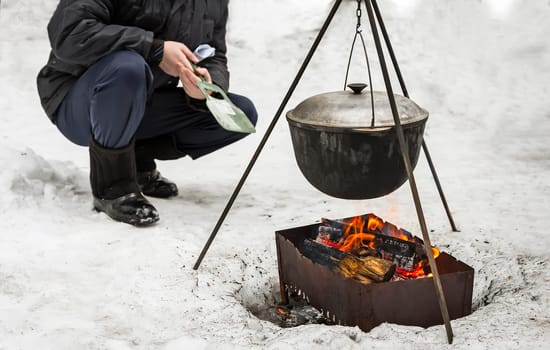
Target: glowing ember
[{"x": 283, "y": 311}]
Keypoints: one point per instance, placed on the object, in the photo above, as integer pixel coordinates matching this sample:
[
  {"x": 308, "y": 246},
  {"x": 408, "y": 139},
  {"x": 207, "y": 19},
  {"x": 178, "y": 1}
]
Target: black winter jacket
[{"x": 83, "y": 31}]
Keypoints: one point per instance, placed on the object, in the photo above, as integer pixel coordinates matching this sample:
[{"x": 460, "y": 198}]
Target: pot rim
[
  {"x": 343, "y": 109},
  {"x": 374, "y": 131}
]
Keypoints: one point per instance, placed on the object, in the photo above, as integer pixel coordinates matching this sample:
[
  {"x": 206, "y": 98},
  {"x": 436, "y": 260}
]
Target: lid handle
[{"x": 357, "y": 87}]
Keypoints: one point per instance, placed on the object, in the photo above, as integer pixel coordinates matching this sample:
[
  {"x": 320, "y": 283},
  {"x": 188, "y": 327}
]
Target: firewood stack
[
  {"x": 365, "y": 269},
  {"x": 368, "y": 269}
]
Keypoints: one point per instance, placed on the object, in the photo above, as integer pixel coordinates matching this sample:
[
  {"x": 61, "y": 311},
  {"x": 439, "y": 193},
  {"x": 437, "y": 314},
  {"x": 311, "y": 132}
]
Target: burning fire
[{"x": 362, "y": 234}]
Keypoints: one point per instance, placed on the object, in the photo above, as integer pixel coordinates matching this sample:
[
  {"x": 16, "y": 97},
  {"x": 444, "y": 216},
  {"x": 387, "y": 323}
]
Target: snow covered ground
[{"x": 73, "y": 279}]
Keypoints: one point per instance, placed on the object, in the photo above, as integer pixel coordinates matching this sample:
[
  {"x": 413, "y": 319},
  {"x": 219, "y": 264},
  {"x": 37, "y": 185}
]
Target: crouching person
[{"x": 111, "y": 84}]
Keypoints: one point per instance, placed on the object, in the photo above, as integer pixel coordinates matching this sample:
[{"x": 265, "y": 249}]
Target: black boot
[
  {"x": 150, "y": 181},
  {"x": 114, "y": 186},
  {"x": 153, "y": 184}
]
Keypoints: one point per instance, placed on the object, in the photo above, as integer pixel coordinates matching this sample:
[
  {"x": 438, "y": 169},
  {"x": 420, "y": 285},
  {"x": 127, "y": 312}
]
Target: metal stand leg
[
  {"x": 439, "y": 188},
  {"x": 285, "y": 299},
  {"x": 406, "y": 94},
  {"x": 404, "y": 150},
  {"x": 268, "y": 132}
]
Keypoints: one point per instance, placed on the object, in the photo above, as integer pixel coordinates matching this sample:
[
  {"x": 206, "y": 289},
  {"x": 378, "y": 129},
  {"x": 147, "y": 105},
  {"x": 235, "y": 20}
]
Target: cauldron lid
[{"x": 346, "y": 109}]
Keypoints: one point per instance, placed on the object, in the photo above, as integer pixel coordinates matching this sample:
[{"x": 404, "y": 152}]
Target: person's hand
[
  {"x": 190, "y": 78},
  {"x": 177, "y": 56},
  {"x": 177, "y": 62}
]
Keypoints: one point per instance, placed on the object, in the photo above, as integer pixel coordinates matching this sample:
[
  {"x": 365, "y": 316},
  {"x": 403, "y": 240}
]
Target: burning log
[
  {"x": 368, "y": 269},
  {"x": 322, "y": 254},
  {"x": 369, "y": 235},
  {"x": 365, "y": 251}
]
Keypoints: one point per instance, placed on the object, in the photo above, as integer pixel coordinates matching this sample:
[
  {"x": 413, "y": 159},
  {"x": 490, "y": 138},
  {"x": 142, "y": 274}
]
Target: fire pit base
[{"x": 351, "y": 303}]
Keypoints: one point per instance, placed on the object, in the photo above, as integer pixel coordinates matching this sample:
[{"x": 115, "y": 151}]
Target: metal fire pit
[{"x": 351, "y": 303}]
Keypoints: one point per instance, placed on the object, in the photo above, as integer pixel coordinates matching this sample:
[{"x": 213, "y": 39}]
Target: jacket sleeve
[
  {"x": 217, "y": 65},
  {"x": 80, "y": 32}
]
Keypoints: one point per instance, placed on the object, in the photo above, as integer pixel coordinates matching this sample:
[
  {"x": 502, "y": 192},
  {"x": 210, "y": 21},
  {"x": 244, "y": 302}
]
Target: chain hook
[{"x": 358, "y": 13}]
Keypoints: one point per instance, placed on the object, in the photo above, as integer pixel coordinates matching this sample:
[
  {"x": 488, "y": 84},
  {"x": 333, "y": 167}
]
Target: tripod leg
[
  {"x": 439, "y": 188},
  {"x": 404, "y": 151},
  {"x": 406, "y": 94},
  {"x": 268, "y": 133}
]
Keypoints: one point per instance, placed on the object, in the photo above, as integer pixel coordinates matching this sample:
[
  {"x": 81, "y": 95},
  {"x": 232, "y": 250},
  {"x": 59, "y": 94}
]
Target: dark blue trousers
[{"x": 114, "y": 102}]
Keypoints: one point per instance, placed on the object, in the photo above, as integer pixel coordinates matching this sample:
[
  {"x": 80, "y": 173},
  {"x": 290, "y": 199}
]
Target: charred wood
[
  {"x": 368, "y": 269},
  {"x": 322, "y": 254}
]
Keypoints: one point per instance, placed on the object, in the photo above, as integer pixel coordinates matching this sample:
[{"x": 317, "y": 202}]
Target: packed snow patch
[{"x": 30, "y": 179}]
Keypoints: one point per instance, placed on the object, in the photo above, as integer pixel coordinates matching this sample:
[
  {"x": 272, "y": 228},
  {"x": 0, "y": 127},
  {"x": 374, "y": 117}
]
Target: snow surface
[{"x": 71, "y": 278}]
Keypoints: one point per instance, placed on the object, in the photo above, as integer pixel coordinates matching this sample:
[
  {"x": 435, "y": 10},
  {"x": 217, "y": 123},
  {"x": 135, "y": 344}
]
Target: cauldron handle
[{"x": 358, "y": 33}]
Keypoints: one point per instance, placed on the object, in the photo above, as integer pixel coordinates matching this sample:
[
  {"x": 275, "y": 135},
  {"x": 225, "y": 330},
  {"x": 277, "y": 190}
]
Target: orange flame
[
  {"x": 435, "y": 252},
  {"x": 374, "y": 224},
  {"x": 359, "y": 233},
  {"x": 355, "y": 241}
]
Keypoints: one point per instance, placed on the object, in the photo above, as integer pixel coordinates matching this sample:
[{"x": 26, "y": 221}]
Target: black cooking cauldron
[{"x": 346, "y": 153}]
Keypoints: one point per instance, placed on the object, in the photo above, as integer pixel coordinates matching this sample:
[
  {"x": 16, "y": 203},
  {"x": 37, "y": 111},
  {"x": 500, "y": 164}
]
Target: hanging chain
[
  {"x": 358, "y": 14},
  {"x": 358, "y": 33}
]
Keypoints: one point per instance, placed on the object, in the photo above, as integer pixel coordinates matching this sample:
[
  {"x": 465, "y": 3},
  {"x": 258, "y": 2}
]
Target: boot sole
[{"x": 105, "y": 206}]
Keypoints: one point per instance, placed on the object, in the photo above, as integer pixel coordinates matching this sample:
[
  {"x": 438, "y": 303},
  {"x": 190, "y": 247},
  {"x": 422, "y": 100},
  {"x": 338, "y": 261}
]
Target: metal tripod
[{"x": 375, "y": 17}]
